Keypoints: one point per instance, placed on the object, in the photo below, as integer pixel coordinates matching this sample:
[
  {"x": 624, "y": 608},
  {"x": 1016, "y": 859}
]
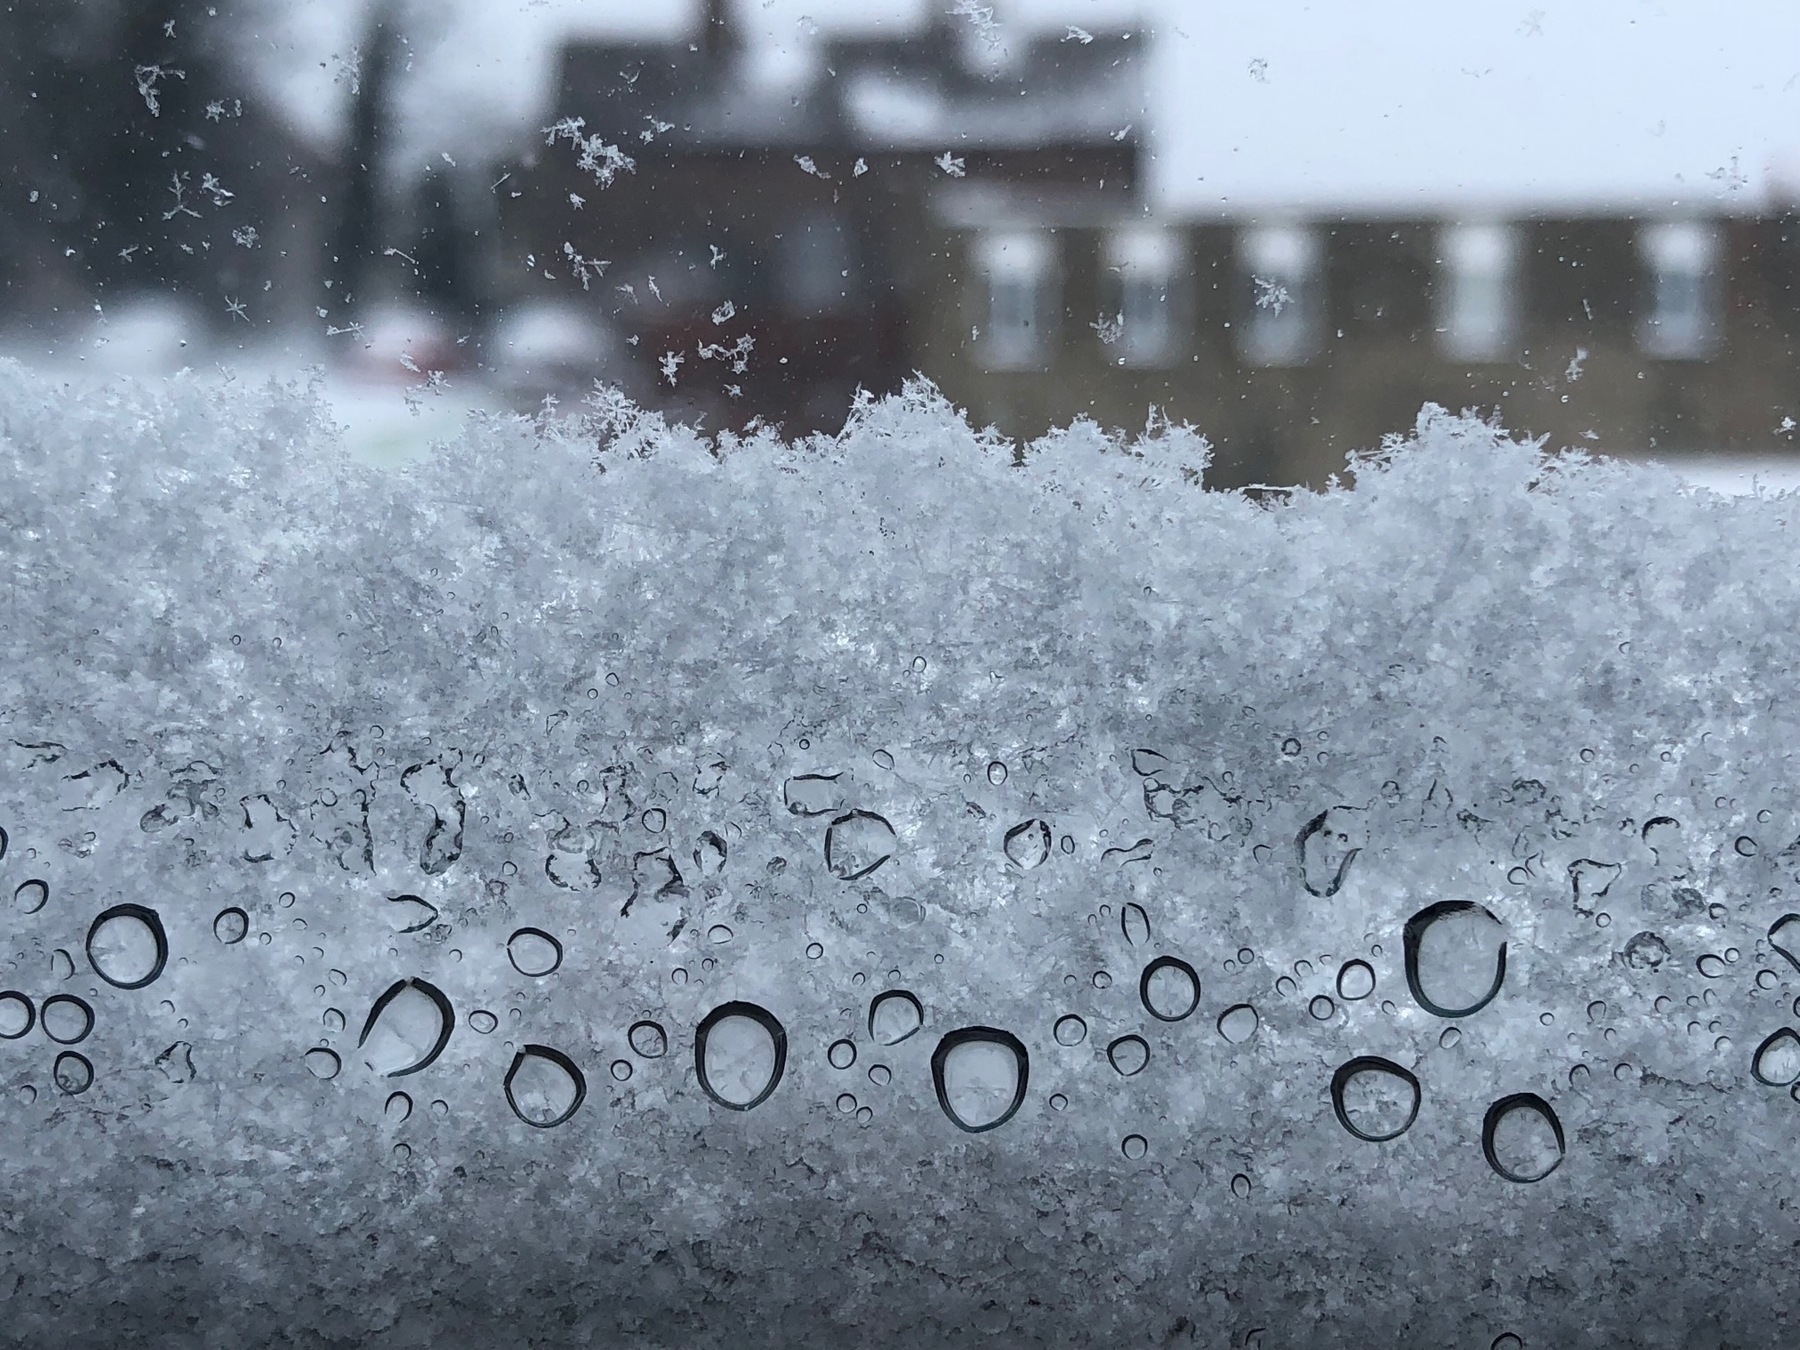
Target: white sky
[{"x": 1254, "y": 106}]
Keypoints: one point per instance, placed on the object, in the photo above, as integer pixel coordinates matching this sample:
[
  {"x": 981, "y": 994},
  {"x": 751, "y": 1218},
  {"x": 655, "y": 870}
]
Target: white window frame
[
  {"x": 1290, "y": 257},
  {"x": 1478, "y": 290},
  {"x": 1018, "y": 298},
  {"x": 1147, "y": 260},
  {"x": 1682, "y": 259}
]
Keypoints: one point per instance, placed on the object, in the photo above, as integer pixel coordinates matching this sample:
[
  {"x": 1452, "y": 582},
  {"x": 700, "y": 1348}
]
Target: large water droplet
[
  {"x": 67, "y": 1020},
  {"x": 980, "y": 1074},
  {"x": 740, "y": 1051},
  {"x": 72, "y": 1073},
  {"x": 1027, "y": 844},
  {"x": 1646, "y": 951},
  {"x": 813, "y": 794},
  {"x": 1070, "y": 1030},
  {"x": 1777, "y": 1060},
  {"x": 857, "y": 843},
  {"x": 1455, "y": 957},
  {"x": 17, "y": 1015},
  {"x": 127, "y": 947},
  {"x": 1238, "y": 1023},
  {"x": 1169, "y": 989},
  {"x": 543, "y": 1086},
  {"x": 1128, "y": 1055},
  {"x": 31, "y": 896},
  {"x": 323, "y": 1063},
  {"x": 1374, "y": 1098},
  {"x": 407, "y": 1028},
  {"x": 1355, "y": 981},
  {"x": 231, "y": 926},
  {"x": 534, "y": 952},
  {"x": 1134, "y": 923},
  {"x": 894, "y": 1015},
  {"x": 1522, "y": 1137},
  {"x": 648, "y": 1040},
  {"x": 1327, "y": 846},
  {"x": 1784, "y": 937},
  {"x": 1590, "y": 881}
]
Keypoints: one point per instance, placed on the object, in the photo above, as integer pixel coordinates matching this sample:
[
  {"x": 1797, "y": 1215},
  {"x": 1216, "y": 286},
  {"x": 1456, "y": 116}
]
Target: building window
[
  {"x": 1142, "y": 273},
  {"x": 1478, "y": 290},
  {"x": 1285, "y": 301},
  {"x": 817, "y": 265},
  {"x": 1018, "y": 270},
  {"x": 1682, "y": 322}
]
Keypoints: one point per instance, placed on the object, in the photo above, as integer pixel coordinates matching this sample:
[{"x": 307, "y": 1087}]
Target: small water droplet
[
  {"x": 1102, "y": 980},
  {"x": 1321, "y": 1008},
  {"x": 127, "y": 947},
  {"x": 1240, "y": 1186},
  {"x": 880, "y": 1075},
  {"x": 543, "y": 1086},
  {"x": 841, "y": 1054},
  {"x": 980, "y": 1074},
  {"x": 1355, "y": 981},
  {"x": 1710, "y": 965},
  {"x": 1745, "y": 846},
  {"x": 648, "y": 1040},
  {"x": 996, "y": 773},
  {"x": 1027, "y": 844},
  {"x": 1647, "y": 951},
  {"x": 620, "y": 1069},
  {"x": 1058, "y": 1102},
  {"x": 17, "y": 1015},
  {"x": 883, "y": 760},
  {"x": 1238, "y": 1023},
  {"x": 1374, "y": 1098},
  {"x": 1327, "y": 845},
  {"x": 323, "y": 1063},
  {"x": 1128, "y": 1055},
  {"x": 1134, "y": 923},
  {"x": 814, "y": 951},
  {"x": 72, "y": 1073},
  {"x": 1522, "y": 1137},
  {"x": 918, "y": 665},
  {"x": 894, "y": 1015},
  {"x": 398, "y": 1108},
  {"x": 534, "y": 952},
  {"x": 655, "y": 820},
  {"x": 1455, "y": 957},
  {"x": 1451, "y": 1038},
  {"x": 1766, "y": 979},
  {"x": 857, "y": 843},
  {"x": 740, "y": 1051},
  {"x": 1070, "y": 1030},
  {"x": 1507, "y": 1341},
  {"x": 1169, "y": 989},
  {"x": 1777, "y": 1060},
  {"x": 1134, "y": 1146},
  {"x": 406, "y": 1029},
  {"x": 67, "y": 1020},
  {"x": 483, "y": 1022},
  {"x": 31, "y": 896}
]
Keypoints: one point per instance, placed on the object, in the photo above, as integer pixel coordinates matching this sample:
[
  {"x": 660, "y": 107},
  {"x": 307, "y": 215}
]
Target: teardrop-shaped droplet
[
  {"x": 323, "y": 1063},
  {"x": 1134, "y": 923},
  {"x": 127, "y": 947},
  {"x": 1128, "y": 1055},
  {"x": 72, "y": 1073},
  {"x": 398, "y": 1109},
  {"x": 857, "y": 843},
  {"x": 980, "y": 1074},
  {"x": 894, "y": 1015},
  {"x": 543, "y": 1086},
  {"x": 407, "y": 1028},
  {"x": 31, "y": 896},
  {"x": 1070, "y": 1030},
  {"x": 1777, "y": 1060},
  {"x": 1455, "y": 957},
  {"x": 1374, "y": 1098},
  {"x": 648, "y": 1040},
  {"x": 1522, "y": 1137},
  {"x": 1238, "y": 1023},
  {"x": 17, "y": 1015},
  {"x": 1027, "y": 844},
  {"x": 67, "y": 1020},
  {"x": 231, "y": 925},
  {"x": 1169, "y": 989},
  {"x": 740, "y": 1051},
  {"x": 1355, "y": 981}
]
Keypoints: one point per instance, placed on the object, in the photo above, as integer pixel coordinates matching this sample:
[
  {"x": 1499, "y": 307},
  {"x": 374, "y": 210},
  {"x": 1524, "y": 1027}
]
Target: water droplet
[
  {"x": 857, "y": 843},
  {"x": 1507, "y": 1341},
  {"x": 1646, "y": 951},
  {"x": 1240, "y": 1186},
  {"x": 1291, "y": 746},
  {"x": 1169, "y": 989},
  {"x": 1321, "y": 1008},
  {"x": 1711, "y": 966},
  {"x": 1134, "y": 1146},
  {"x": 894, "y": 1015},
  {"x": 1327, "y": 846},
  {"x": 880, "y": 1075},
  {"x": 333, "y": 1019},
  {"x": 411, "y": 914},
  {"x": 709, "y": 853},
  {"x": 323, "y": 1063},
  {"x": 1784, "y": 937},
  {"x": 543, "y": 1086},
  {"x": 1355, "y": 981},
  {"x": 31, "y": 896},
  {"x": 883, "y": 760},
  {"x": 1732, "y": 954},
  {"x": 340, "y": 979},
  {"x": 814, "y": 951},
  {"x": 1777, "y": 1060},
  {"x": 17, "y": 1016},
  {"x": 1148, "y": 764},
  {"x": 67, "y": 1020},
  {"x": 534, "y": 952},
  {"x": 1027, "y": 844},
  {"x": 1238, "y": 1023},
  {"x": 1455, "y": 957},
  {"x": 1766, "y": 979},
  {"x": 620, "y": 1069},
  {"x": 72, "y": 1073},
  {"x": 1374, "y": 1098},
  {"x": 483, "y": 1022},
  {"x": 648, "y": 1040},
  {"x": 407, "y": 1028},
  {"x": 1128, "y": 1055},
  {"x": 1745, "y": 846},
  {"x": 841, "y": 1054},
  {"x": 918, "y": 665},
  {"x": 813, "y": 794},
  {"x": 1070, "y": 1030},
  {"x": 127, "y": 947},
  {"x": 398, "y": 1109},
  {"x": 980, "y": 1074},
  {"x": 996, "y": 773},
  {"x": 1451, "y": 1038},
  {"x": 231, "y": 926},
  {"x": 1134, "y": 923},
  {"x": 740, "y": 1051},
  {"x": 177, "y": 1062},
  {"x": 27, "y": 1095},
  {"x": 1522, "y": 1137},
  {"x": 1102, "y": 980},
  {"x": 1058, "y": 1102},
  {"x": 655, "y": 820}
]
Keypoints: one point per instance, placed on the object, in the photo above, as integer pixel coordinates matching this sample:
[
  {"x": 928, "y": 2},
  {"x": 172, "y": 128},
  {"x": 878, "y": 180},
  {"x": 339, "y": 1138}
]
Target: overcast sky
[{"x": 1253, "y": 106}]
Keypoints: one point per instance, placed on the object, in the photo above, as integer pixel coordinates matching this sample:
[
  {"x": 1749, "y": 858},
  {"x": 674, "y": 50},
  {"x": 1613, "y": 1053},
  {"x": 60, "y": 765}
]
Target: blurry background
[{"x": 1285, "y": 223}]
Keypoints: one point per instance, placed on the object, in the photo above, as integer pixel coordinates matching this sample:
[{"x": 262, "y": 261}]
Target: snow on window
[
  {"x": 1478, "y": 289},
  {"x": 1016, "y": 270},
  {"x": 1281, "y": 263},
  {"x": 1143, "y": 269},
  {"x": 1681, "y": 260}
]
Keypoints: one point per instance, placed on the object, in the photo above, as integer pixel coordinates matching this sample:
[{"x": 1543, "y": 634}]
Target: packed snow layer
[{"x": 599, "y": 885}]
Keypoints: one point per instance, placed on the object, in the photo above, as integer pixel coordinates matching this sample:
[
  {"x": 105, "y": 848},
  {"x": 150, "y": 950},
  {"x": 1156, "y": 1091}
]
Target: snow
[{"x": 470, "y": 769}]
